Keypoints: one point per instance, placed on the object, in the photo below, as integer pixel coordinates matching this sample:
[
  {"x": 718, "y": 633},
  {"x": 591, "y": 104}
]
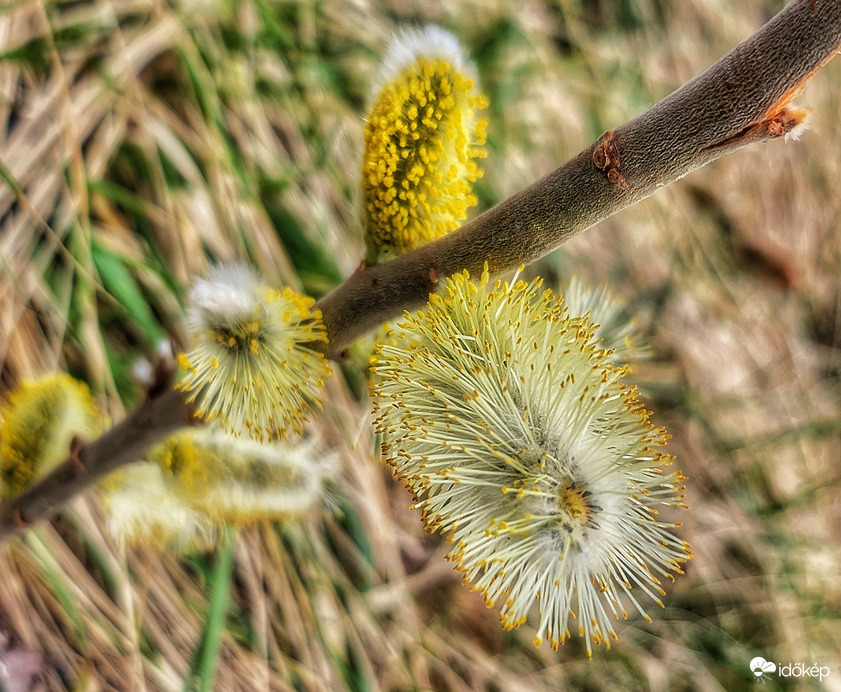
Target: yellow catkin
[
  {"x": 173, "y": 526},
  {"x": 40, "y": 418},
  {"x": 423, "y": 139},
  {"x": 239, "y": 481},
  {"x": 250, "y": 367},
  {"x": 544, "y": 479}
]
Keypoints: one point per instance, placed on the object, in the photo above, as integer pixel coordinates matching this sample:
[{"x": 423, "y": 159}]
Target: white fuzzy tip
[
  {"x": 796, "y": 132},
  {"x": 409, "y": 45},
  {"x": 227, "y": 293}
]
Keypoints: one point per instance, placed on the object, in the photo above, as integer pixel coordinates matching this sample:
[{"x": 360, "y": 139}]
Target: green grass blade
[
  {"x": 59, "y": 588},
  {"x": 203, "y": 669},
  {"x": 119, "y": 282}
]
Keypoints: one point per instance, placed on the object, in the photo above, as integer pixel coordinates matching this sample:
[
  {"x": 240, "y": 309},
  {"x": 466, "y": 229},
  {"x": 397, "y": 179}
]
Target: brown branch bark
[
  {"x": 88, "y": 463},
  {"x": 743, "y": 98}
]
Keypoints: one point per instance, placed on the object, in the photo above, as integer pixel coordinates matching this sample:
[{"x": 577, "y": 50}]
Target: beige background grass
[{"x": 157, "y": 138}]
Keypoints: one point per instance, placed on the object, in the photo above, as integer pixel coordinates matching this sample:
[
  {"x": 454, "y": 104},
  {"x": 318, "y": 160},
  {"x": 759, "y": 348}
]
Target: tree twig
[
  {"x": 89, "y": 462},
  {"x": 743, "y": 98}
]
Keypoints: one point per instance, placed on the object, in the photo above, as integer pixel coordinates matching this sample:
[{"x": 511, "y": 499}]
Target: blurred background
[{"x": 141, "y": 141}]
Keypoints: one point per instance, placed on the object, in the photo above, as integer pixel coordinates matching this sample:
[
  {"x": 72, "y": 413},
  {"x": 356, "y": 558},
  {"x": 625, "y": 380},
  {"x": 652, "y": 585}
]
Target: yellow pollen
[
  {"x": 572, "y": 503},
  {"x": 421, "y": 137}
]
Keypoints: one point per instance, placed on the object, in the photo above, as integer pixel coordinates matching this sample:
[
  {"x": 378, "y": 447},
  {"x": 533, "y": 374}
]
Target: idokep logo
[
  {"x": 760, "y": 667},
  {"x": 763, "y": 670}
]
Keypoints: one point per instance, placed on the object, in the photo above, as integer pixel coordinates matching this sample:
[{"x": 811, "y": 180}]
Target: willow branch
[
  {"x": 743, "y": 98},
  {"x": 87, "y": 463}
]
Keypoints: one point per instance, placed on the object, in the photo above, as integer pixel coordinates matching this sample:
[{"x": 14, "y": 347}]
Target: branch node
[
  {"x": 76, "y": 446},
  {"x": 429, "y": 281},
  {"x": 606, "y": 160},
  {"x": 791, "y": 122},
  {"x": 18, "y": 520}
]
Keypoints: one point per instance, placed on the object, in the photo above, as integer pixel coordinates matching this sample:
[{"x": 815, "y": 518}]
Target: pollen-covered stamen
[
  {"x": 510, "y": 422},
  {"x": 613, "y": 329},
  {"x": 250, "y": 366},
  {"x": 573, "y": 507},
  {"x": 234, "y": 480}
]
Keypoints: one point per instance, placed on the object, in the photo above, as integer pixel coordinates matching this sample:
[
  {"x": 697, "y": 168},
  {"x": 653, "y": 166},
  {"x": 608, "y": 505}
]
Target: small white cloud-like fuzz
[
  {"x": 240, "y": 481},
  {"x": 226, "y": 297},
  {"x": 514, "y": 429},
  {"x": 796, "y": 132},
  {"x": 251, "y": 367},
  {"x": 410, "y": 45}
]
